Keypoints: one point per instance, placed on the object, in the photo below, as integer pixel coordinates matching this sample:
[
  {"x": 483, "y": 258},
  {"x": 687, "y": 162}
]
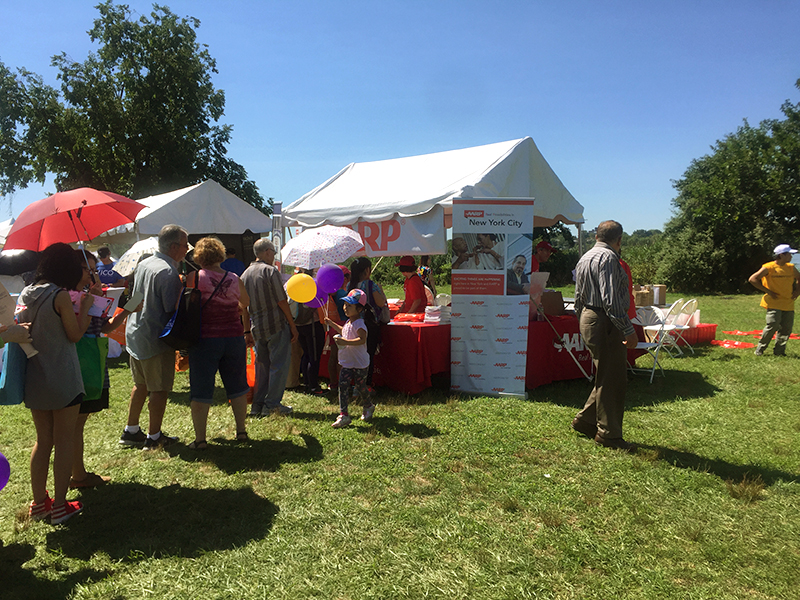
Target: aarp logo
[
  {"x": 478, "y": 327},
  {"x": 501, "y": 340},
  {"x": 473, "y": 213},
  {"x": 502, "y": 315},
  {"x": 498, "y": 389},
  {"x": 476, "y": 351}
]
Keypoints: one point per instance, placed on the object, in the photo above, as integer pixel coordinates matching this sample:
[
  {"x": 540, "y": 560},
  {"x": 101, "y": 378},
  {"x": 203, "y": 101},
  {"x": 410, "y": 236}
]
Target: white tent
[
  {"x": 203, "y": 208},
  {"x": 423, "y": 187}
]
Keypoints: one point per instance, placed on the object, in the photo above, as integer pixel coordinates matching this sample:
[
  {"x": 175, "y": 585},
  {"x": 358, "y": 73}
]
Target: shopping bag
[
  {"x": 12, "y": 379},
  {"x": 92, "y": 354}
]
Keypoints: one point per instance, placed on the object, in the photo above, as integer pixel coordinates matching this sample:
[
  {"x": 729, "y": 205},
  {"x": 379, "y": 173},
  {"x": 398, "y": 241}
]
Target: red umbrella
[{"x": 73, "y": 216}]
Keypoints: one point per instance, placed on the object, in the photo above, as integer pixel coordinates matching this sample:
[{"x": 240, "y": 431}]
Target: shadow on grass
[
  {"x": 23, "y": 584},
  {"x": 722, "y": 469},
  {"x": 390, "y": 426},
  {"x": 676, "y": 385},
  {"x": 255, "y": 455},
  {"x": 132, "y": 521}
]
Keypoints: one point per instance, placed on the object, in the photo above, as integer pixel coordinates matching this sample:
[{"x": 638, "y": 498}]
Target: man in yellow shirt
[{"x": 780, "y": 281}]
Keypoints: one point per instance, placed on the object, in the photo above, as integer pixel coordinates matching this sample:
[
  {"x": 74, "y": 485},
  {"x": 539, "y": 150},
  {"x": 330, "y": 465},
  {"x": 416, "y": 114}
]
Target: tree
[
  {"x": 733, "y": 206},
  {"x": 139, "y": 117}
]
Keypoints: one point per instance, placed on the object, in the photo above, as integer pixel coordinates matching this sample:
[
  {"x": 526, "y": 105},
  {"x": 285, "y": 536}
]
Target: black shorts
[{"x": 94, "y": 406}]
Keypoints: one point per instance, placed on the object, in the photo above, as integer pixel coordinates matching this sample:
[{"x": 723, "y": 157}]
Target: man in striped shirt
[
  {"x": 601, "y": 302},
  {"x": 273, "y": 330}
]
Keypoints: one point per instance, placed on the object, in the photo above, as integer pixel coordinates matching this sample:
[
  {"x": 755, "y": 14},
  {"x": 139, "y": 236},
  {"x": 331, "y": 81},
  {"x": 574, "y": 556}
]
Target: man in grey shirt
[
  {"x": 152, "y": 361},
  {"x": 601, "y": 302},
  {"x": 273, "y": 330}
]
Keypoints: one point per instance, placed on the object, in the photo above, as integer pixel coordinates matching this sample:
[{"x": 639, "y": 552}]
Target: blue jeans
[{"x": 273, "y": 359}]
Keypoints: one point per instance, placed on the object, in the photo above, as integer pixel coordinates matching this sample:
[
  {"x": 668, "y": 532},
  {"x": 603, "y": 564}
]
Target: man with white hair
[
  {"x": 780, "y": 282},
  {"x": 152, "y": 361},
  {"x": 273, "y": 330}
]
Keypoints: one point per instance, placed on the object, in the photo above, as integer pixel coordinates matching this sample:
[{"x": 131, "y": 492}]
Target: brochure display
[{"x": 490, "y": 295}]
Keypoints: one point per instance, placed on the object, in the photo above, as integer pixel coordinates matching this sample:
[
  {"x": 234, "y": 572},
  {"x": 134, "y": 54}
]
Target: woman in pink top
[{"x": 223, "y": 341}]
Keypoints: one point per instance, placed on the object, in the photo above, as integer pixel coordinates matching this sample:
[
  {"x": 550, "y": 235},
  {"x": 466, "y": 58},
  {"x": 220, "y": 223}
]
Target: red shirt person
[
  {"x": 416, "y": 300},
  {"x": 541, "y": 254}
]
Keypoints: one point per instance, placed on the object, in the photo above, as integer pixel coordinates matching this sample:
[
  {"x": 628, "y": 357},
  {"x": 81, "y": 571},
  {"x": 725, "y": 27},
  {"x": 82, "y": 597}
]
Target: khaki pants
[{"x": 606, "y": 403}]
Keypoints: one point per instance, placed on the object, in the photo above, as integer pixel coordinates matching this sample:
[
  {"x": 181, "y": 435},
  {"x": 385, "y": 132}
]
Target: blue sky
[{"x": 618, "y": 96}]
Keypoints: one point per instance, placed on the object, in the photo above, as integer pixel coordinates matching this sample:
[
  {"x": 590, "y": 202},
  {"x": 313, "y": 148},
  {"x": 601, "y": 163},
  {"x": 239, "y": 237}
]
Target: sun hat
[
  {"x": 356, "y": 297},
  {"x": 345, "y": 270},
  {"x": 783, "y": 249},
  {"x": 406, "y": 261}
]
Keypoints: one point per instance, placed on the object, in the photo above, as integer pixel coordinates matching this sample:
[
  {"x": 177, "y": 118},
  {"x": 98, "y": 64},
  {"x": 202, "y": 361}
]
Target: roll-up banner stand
[{"x": 488, "y": 347}]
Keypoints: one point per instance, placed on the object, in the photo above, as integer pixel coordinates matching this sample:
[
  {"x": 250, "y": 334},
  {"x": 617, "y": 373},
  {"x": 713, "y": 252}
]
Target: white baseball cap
[{"x": 783, "y": 249}]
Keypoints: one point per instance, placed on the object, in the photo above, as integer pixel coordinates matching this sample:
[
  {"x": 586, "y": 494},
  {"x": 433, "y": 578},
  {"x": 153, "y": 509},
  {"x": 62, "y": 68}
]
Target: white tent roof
[
  {"x": 407, "y": 187},
  {"x": 203, "y": 208}
]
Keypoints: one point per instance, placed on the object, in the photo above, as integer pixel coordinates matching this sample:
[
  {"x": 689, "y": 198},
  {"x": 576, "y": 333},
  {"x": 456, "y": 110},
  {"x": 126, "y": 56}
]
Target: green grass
[{"x": 442, "y": 496}]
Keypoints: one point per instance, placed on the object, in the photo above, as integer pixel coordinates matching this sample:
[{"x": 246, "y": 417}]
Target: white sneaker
[
  {"x": 368, "y": 412},
  {"x": 342, "y": 421}
]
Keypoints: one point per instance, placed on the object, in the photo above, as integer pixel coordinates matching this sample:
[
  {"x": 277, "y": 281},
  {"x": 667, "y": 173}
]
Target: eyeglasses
[{"x": 90, "y": 270}]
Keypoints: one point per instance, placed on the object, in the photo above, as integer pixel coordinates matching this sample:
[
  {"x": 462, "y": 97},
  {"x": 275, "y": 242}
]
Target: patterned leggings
[{"x": 353, "y": 380}]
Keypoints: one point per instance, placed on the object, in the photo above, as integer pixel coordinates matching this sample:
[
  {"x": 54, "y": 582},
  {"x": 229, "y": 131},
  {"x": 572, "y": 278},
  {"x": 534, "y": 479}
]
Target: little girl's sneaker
[
  {"x": 368, "y": 412},
  {"x": 65, "y": 511},
  {"x": 342, "y": 420},
  {"x": 41, "y": 511}
]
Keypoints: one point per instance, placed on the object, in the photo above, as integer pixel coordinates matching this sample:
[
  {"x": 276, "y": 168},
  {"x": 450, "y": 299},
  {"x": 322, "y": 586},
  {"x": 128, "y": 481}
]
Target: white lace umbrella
[
  {"x": 128, "y": 261},
  {"x": 316, "y": 247}
]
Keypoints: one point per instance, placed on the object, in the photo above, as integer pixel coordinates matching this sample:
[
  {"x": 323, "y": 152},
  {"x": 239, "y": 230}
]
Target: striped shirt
[
  {"x": 265, "y": 288},
  {"x": 601, "y": 283}
]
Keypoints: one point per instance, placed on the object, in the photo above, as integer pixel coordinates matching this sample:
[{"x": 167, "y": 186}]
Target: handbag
[
  {"x": 183, "y": 329},
  {"x": 92, "y": 354},
  {"x": 381, "y": 312},
  {"x": 12, "y": 379}
]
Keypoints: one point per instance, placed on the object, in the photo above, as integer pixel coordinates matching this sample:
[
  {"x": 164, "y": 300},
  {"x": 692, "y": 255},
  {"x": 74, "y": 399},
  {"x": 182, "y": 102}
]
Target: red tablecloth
[
  {"x": 410, "y": 353},
  {"x": 548, "y": 362}
]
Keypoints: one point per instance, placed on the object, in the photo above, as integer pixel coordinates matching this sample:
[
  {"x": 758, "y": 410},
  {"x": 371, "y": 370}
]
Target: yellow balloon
[{"x": 301, "y": 288}]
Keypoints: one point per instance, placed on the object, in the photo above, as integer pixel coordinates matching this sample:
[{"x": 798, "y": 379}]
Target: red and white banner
[
  {"x": 422, "y": 234},
  {"x": 490, "y": 309}
]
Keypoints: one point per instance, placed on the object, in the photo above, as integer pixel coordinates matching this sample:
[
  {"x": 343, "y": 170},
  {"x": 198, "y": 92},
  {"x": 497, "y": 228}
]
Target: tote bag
[
  {"x": 12, "y": 380},
  {"x": 92, "y": 354}
]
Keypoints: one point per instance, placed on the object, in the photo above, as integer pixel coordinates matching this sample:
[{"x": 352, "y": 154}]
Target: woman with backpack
[{"x": 377, "y": 306}]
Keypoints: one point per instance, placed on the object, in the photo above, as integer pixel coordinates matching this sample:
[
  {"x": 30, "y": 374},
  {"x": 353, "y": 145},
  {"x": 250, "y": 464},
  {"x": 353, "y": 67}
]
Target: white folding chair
[
  {"x": 647, "y": 317},
  {"x": 681, "y": 322},
  {"x": 662, "y": 325}
]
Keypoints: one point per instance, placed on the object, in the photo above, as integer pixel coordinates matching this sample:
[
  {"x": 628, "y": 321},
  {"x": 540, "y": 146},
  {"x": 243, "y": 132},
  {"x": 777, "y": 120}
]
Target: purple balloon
[
  {"x": 329, "y": 278},
  {"x": 5, "y": 471},
  {"x": 320, "y": 300}
]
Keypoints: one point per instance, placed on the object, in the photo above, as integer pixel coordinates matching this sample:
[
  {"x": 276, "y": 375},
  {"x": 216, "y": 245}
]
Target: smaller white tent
[{"x": 203, "y": 208}]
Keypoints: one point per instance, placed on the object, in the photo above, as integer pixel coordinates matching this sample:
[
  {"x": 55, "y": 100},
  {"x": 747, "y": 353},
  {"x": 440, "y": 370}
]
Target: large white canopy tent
[
  {"x": 417, "y": 193},
  {"x": 203, "y": 208}
]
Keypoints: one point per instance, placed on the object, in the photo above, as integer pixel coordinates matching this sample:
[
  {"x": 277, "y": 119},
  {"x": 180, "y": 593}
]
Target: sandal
[
  {"x": 198, "y": 445},
  {"x": 90, "y": 481},
  {"x": 241, "y": 436}
]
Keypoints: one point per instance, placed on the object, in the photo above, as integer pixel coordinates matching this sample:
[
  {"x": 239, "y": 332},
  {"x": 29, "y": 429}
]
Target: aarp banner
[{"x": 490, "y": 307}]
